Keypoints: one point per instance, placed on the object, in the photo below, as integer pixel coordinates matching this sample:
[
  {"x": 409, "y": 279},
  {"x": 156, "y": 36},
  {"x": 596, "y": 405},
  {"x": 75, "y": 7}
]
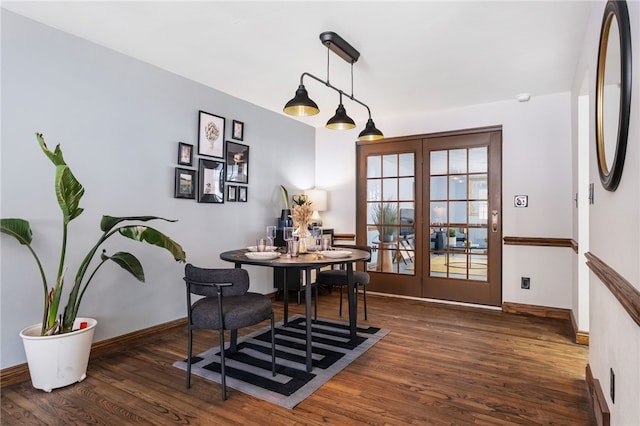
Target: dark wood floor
[{"x": 439, "y": 365}]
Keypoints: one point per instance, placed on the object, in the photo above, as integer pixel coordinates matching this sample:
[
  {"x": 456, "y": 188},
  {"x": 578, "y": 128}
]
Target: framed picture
[
  {"x": 185, "y": 154},
  {"x": 237, "y": 162},
  {"x": 242, "y": 194},
  {"x": 185, "y": 183},
  {"x": 238, "y": 130},
  {"x": 210, "y": 135},
  {"x": 211, "y": 181},
  {"x": 232, "y": 193}
]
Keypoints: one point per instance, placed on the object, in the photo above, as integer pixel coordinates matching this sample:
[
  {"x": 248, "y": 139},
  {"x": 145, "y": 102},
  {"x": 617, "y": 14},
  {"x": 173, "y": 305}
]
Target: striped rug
[{"x": 249, "y": 369}]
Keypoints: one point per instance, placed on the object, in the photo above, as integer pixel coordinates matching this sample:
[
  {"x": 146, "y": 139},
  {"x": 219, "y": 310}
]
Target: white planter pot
[
  {"x": 452, "y": 241},
  {"x": 60, "y": 360}
]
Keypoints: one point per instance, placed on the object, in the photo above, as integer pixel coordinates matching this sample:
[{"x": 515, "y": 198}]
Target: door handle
[{"x": 494, "y": 220}]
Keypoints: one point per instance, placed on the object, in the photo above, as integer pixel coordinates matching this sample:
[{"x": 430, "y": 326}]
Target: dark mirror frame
[{"x": 618, "y": 10}]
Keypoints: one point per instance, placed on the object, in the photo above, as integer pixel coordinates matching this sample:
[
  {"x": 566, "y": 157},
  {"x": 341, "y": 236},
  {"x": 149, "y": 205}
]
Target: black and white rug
[{"x": 249, "y": 369}]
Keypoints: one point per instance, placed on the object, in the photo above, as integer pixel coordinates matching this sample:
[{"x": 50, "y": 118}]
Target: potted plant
[
  {"x": 285, "y": 214},
  {"x": 59, "y": 327},
  {"x": 385, "y": 216},
  {"x": 452, "y": 237}
]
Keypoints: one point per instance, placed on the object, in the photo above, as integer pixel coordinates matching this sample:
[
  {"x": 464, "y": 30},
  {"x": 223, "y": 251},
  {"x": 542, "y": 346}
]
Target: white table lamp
[{"x": 318, "y": 198}]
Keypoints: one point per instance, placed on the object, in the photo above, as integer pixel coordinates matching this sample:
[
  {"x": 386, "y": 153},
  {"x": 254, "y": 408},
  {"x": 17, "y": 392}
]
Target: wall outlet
[{"x": 525, "y": 283}]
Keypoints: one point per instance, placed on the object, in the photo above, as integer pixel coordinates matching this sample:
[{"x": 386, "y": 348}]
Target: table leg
[
  {"x": 285, "y": 298},
  {"x": 353, "y": 312},
  {"x": 307, "y": 292}
]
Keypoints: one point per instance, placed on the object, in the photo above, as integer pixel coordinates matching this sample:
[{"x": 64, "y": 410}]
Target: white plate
[
  {"x": 336, "y": 254},
  {"x": 268, "y": 248},
  {"x": 262, "y": 255}
]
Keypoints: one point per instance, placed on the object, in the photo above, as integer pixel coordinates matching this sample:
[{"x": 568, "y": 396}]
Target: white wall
[
  {"x": 536, "y": 151},
  {"x": 119, "y": 122},
  {"x": 614, "y": 236}
]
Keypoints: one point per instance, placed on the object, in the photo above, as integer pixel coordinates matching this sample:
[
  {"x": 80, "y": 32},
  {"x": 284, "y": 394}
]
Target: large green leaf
[
  {"x": 154, "y": 237},
  {"x": 108, "y": 222},
  {"x": 69, "y": 192},
  {"x": 19, "y": 228},
  {"x": 55, "y": 157},
  {"x": 128, "y": 262}
]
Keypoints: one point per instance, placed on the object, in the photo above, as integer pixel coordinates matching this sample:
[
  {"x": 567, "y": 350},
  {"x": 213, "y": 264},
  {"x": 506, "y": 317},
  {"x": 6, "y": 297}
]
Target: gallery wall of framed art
[{"x": 221, "y": 164}]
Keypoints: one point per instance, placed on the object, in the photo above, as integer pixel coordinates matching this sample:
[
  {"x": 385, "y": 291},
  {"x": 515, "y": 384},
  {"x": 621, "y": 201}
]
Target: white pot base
[{"x": 60, "y": 360}]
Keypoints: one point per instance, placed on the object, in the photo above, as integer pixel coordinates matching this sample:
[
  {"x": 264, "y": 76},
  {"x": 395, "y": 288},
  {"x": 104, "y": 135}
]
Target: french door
[{"x": 430, "y": 206}]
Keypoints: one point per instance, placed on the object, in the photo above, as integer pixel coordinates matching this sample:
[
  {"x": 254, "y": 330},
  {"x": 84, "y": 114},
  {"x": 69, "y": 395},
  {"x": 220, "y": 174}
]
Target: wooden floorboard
[{"x": 440, "y": 365}]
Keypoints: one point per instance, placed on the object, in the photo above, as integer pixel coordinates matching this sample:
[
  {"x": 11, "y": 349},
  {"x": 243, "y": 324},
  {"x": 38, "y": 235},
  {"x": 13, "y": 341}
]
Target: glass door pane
[
  {"x": 459, "y": 218},
  {"x": 390, "y": 183}
]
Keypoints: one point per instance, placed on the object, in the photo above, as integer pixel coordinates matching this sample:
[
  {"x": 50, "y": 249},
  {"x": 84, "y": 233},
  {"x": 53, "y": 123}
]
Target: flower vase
[{"x": 302, "y": 232}]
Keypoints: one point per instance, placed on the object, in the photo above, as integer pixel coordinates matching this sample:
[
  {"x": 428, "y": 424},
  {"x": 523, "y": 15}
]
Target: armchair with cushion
[{"x": 227, "y": 305}]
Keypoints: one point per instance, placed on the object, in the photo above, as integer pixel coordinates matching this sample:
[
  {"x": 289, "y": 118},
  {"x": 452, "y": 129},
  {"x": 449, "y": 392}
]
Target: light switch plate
[{"x": 521, "y": 201}]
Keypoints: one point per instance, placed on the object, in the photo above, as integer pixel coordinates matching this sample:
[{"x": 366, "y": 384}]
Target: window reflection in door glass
[
  {"x": 374, "y": 166},
  {"x": 457, "y": 161},
  {"x": 438, "y": 163}
]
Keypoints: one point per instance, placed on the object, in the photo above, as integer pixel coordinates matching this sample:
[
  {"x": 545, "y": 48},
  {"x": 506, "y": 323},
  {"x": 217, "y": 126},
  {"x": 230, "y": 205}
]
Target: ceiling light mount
[
  {"x": 339, "y": 46},
  {"x": 301, "y": 105}
]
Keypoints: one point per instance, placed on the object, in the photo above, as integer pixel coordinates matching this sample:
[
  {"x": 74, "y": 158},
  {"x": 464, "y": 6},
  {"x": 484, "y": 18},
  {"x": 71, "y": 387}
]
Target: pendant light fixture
[
  {"x": 302, "y": 106},
  {"x": 341, "y": 120}
]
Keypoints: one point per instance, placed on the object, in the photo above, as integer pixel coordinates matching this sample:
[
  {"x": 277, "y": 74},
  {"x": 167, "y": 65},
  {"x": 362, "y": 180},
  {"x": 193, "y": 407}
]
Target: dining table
[{"x": 305, "y": 263}]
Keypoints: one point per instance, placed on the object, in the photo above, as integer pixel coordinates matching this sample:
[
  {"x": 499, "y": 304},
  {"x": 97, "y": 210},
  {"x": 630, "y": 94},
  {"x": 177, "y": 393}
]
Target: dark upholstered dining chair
[
  {"x": 338, "y": 278},
  {"x": 227, "y": 305}
]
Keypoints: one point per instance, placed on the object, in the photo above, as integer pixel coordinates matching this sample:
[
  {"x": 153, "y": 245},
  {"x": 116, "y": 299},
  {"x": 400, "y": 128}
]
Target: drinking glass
[
  {"x": 261, "y": 244},
  {"x": 287, "y": 233},
  {"x": 316, "y": 232},
  {"x": 326, "y": 244},
  {"x": 271, "y": 234}
]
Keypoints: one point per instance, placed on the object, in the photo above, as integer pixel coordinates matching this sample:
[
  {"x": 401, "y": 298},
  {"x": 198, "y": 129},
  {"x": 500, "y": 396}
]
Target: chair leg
[
  {"x": 189, "y": 351},
  {"x": 273, "y": 347},
  {"x": 340, "y": 300},
  {"x": 223, "y": 377}
]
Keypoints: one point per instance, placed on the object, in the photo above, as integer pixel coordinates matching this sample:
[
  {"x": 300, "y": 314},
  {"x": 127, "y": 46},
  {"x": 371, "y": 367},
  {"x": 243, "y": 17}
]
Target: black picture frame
[
  {"x": 237, "y": 132},
  {"x": 210, "y": 181},
  {"x": 242, "y": 194},
  {"x": 237, "y": 161},
  {"x": 185, "y": 183},
  {"x": 185, "y": 154},
  {"x": 211, "y": 135},
  {"x": 232, "y": 193}
]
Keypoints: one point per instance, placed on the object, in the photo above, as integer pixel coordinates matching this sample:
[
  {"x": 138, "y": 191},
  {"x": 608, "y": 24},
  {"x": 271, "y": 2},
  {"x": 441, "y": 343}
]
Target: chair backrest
[
  {"x": 357, "y": 247},
  {"x": 201, "y": 281}
]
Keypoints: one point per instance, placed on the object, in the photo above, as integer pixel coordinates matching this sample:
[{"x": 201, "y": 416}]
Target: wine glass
[
  {"x": 316, "y": 232},
  {"x": 287, "y": 235},
  {"x": 271, "y": 234}
]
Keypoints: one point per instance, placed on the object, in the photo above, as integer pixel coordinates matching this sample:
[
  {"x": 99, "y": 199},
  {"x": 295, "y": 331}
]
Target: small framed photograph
[
  {"x": 232, "y": 193},
  {"x": 238, "y": 130},
  {"x": 185, "y": 154},
  {"x": 185, "y": 183},
  {"x": 237, "y": 162},
  {"x": 210, "y": 135},
  {"x": 242, "y": 194},
  {"x": 211, "y": 181}
]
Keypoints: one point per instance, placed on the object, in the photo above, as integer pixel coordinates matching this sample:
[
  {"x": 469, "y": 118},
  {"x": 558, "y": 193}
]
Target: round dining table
[{"x": 306, "y": 262}]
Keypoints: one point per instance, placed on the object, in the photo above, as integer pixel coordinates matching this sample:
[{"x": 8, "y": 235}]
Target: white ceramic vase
[{"x": 59, "y": 360}]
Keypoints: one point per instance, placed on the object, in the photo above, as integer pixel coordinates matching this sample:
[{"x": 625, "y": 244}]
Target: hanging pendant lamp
[
  {"x": 340, "y": 121},
  {"x": 301, "y": 105},
  {"x": 370, "y": 133}
]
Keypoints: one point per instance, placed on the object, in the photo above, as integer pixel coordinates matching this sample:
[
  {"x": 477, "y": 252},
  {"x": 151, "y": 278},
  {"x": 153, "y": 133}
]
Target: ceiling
[{"x": 415, "y": 56}]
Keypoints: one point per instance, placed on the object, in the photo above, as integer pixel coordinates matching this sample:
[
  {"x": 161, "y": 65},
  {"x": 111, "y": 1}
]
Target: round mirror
[{"x": 613, "y": 93}]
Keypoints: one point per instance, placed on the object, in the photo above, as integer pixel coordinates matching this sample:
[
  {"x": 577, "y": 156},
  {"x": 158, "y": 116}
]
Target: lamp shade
[
  {"x": 318, "y": 198},
  {"x": 301, "y": 105},
  {"x": 340, "y": 121},
  {"x": 370, "y": 133}
]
